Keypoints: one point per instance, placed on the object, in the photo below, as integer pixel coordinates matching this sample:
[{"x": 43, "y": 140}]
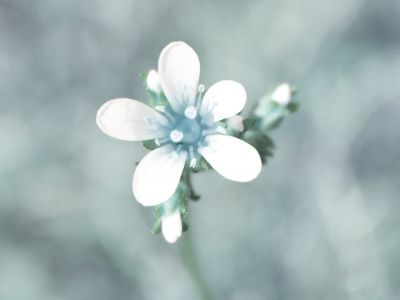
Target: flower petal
[
  {"x": 157, "y": 175},
  {"x": 172, "y": 227},
  {"x": 179, "y": 70},
  {"x": 231, "y": 157},
  {"x": 130, "y": 120},
  {"x": 223, "y": 99}
]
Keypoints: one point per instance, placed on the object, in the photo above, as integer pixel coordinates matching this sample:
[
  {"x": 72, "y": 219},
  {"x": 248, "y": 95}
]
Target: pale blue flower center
[
  {"x": 191, "y": 130},
  {"x": 187, "y": 131}
]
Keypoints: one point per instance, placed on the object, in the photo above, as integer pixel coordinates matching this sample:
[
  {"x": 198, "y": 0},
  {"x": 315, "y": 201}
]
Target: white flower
[
  {"x": 185, "y": 130},
  {"x": 282, "y": 94},
  {"x": 153, "y": 81},
  {"x": 171, "y": 227}
]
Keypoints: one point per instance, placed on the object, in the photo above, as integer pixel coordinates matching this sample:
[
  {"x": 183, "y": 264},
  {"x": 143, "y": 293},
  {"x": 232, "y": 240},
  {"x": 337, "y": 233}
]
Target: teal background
[{"x": 320, "y": 222}]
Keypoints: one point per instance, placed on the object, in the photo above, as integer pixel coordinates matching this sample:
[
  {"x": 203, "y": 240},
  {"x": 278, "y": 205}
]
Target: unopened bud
[
  {"x": 282, "y": 94},
  {"x": 153, "y": 81},
  {"x": 172, "y": 227}
]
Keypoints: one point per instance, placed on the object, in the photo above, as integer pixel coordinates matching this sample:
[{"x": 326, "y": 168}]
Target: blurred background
[{"x": 320, "y": 222}]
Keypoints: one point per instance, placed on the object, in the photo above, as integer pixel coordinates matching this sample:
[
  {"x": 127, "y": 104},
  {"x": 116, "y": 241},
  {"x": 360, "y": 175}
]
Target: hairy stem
[
  {"x": 192, "y": 265},
  {"x": 191, "y": 193}
]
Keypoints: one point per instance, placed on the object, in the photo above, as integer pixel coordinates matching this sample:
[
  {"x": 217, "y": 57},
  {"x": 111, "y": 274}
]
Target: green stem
[
  {"x": 192, "y": 265},
  {"x": 187, "y": 249},
  {"x": 192, "y": 194}
]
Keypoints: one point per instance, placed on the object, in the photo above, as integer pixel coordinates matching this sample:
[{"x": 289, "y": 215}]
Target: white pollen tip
[
  {"x": 193, "y": 162},
  {"x": 176, "y": 135},
  {"x": 221, "y": 130},
  {"x": 160, "y": 108},
  {"x": 191, "y": 112},
  {"x": 201, "y": 88}
]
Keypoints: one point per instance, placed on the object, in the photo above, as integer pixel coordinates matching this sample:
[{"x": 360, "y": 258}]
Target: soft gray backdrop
[{"x": 322, "y": 220}]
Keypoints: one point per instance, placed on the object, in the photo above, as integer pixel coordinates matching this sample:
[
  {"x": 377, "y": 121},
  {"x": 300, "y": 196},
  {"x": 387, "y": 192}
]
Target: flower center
[{"x": 187, "y": 131}]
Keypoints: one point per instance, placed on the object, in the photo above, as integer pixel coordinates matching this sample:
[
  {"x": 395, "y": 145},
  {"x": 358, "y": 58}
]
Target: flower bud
[
  {"x": 153, "y": 81},
  {"x": 235, "y": 123},
  {"x": 172, "y": 227},
  {"x": 282, "y": 94}
]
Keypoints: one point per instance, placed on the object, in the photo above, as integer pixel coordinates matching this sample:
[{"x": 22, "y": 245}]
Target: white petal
[
  {"x": 172, "y": 227},
  {"x": 130, "y": 120},
  {"x": 157, "y": 175},
  {"x": 223, "y": 99},
  {"x": 179, "y": 70},
  {"x": 232, "y": 158}
]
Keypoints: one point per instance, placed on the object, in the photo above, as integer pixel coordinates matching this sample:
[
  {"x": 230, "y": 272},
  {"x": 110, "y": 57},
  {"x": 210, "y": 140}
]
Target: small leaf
[
  {"x": 143, "y": 76},
  {"x": 150, "y": 144},
  {"x": 156, "y": 229},
  {"x": 293, "y": 107},
  {"x": 263, "y": 144},
  {"x": 185, "y": 226},
  {"x": 249, "y": 123},
  {"x": 202, "y": 165}
]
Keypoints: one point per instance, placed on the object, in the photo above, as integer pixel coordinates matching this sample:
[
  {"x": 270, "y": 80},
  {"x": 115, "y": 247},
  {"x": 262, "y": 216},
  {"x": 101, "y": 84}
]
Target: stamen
[
  {"x": 200, "y": 90},
  {"x": 191, "y": 152},
  {"x": 191, "y": 112},
  {"x": 160, "y": 108},
  {"x": 221, "y": 129},
  {"x": 161, "y": 141},
  {"x": 215, "y": 130},
  {"x": 176, "y": 135},
  {"x": 178, "y": 149},
  {"x": 208, "y": 132},
  {"x": 193, "y": 162}
]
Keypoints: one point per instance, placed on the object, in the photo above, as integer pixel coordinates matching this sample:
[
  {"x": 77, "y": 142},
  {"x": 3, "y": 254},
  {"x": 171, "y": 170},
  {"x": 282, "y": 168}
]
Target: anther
[
  {"x": 193, "y": 162},
  {"x": 221, "y": 129},
  {"x": 191, "y": 112},
  {"x": 201, "y": 88},
  {"x": 176, "y": 136}
]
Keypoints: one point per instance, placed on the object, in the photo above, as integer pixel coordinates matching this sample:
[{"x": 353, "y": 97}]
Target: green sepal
[
  {"x": 201, "y": 165},
  {"x": 150, "y": 144},
  {"x": 193, "y": 195},
  {"x": 184, "y": 209},
  {"x": 293, "y": 106},
  {"x": 156, "y": 229},
  {"x": 185, "y": 227},
  {"x": 221, "y": 124},
  {"x": 270, "y": 113},
  {"x": 263, "y": 144},
  {"x": 143, "y": 77},
  {"x": 249, "y": 123},
  {"x": 175, "y": 203}
]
